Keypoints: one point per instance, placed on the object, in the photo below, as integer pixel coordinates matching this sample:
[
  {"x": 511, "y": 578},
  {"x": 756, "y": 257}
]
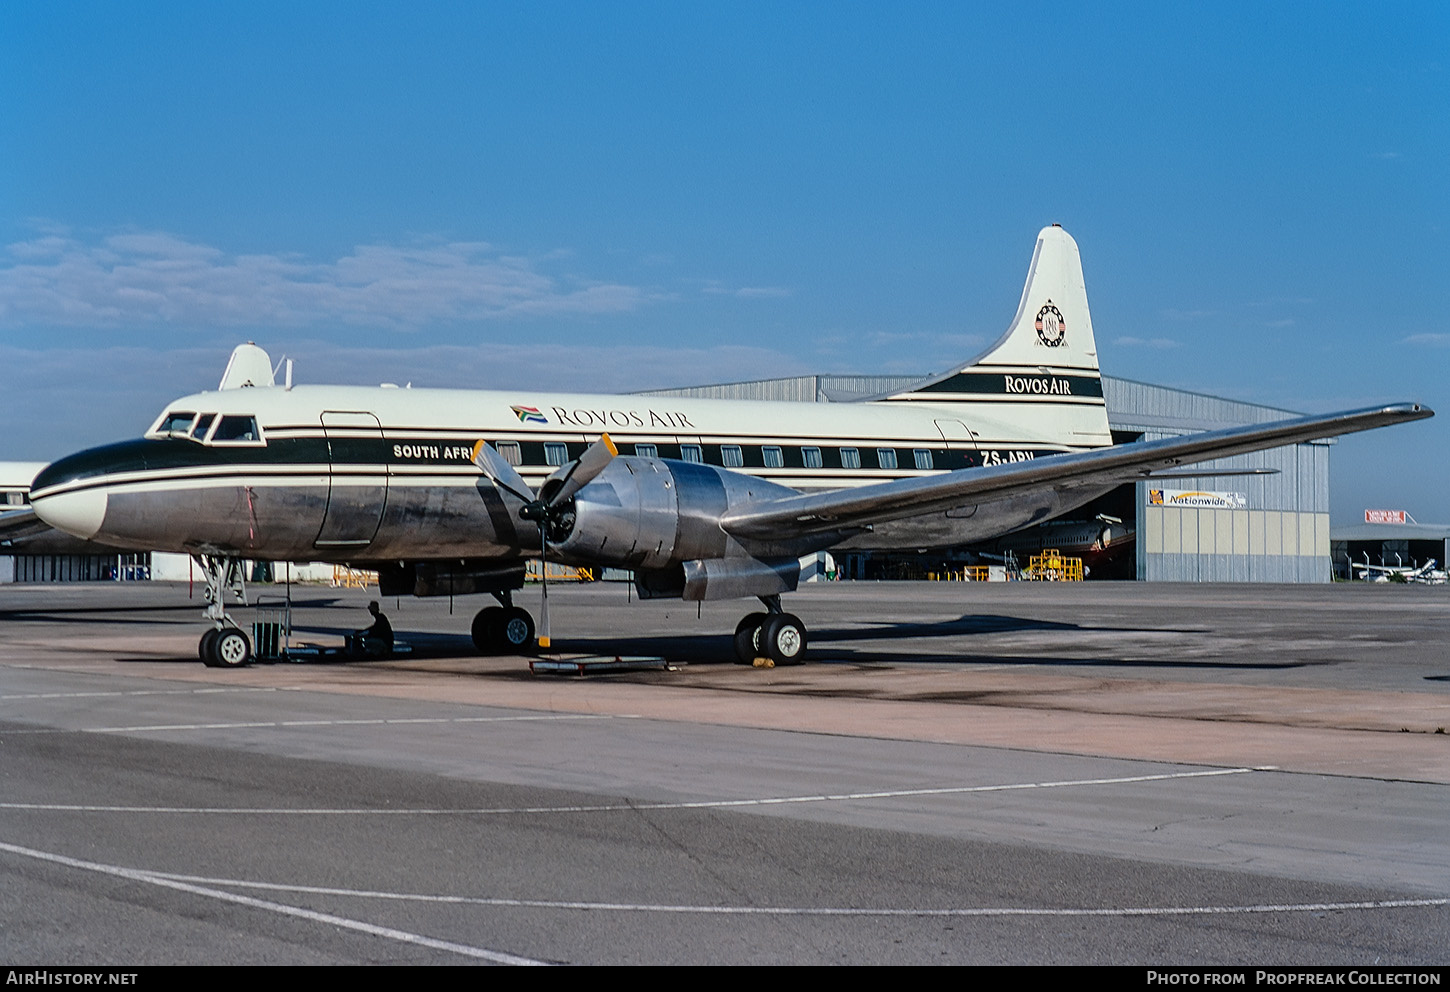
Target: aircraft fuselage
[{"x": 357, "y": 474}]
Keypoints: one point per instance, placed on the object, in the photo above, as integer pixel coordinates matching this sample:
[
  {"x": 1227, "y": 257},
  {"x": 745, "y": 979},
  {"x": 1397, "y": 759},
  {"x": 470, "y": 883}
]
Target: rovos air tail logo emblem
[{"x": 1051, "y": 328}]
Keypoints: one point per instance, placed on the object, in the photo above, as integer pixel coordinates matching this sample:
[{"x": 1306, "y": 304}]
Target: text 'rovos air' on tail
[{"x": 1043, "y": 373}]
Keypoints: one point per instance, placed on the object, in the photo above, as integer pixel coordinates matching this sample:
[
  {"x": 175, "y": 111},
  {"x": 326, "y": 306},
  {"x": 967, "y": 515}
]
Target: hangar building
[
  {"x": 1393, "y": 544},
  {"x": 1267, "y": 528}
]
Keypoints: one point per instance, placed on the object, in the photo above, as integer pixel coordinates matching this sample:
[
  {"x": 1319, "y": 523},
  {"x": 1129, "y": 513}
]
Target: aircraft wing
[
  {"x": 15, "y": 524},
  {"x": 845, "y": 509}
]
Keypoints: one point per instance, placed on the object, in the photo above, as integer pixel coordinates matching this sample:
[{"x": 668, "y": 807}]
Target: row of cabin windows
[{"x": 557, "y": 453}]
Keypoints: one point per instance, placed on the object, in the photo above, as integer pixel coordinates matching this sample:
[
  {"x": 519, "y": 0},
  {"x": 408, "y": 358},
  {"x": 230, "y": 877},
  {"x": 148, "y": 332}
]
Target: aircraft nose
[
  {"x": 70, "y": 494},
  {"x": 79, "y": 514}
]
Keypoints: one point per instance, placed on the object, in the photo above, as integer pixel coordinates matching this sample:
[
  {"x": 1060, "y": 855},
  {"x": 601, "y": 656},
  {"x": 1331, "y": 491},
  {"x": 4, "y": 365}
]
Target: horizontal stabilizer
[{"x": 1209, "y": 473}]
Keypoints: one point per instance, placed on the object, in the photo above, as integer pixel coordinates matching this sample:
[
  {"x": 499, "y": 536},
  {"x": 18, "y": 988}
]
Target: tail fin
[{"x": 1042, "y": 374}]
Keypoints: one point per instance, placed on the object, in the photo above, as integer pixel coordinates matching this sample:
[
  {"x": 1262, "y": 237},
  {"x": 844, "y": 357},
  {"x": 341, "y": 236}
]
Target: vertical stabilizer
[{"x": 1042, "y": 374}]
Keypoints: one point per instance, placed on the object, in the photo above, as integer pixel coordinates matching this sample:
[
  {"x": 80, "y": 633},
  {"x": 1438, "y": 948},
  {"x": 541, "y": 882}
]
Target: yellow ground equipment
[{"x": 1053, "y": 566}]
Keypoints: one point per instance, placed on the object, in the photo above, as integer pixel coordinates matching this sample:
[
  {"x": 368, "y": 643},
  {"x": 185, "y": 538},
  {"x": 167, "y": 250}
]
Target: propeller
[
  {"x": 500, "y": 472},
  {"x": 548, "y": 506}
]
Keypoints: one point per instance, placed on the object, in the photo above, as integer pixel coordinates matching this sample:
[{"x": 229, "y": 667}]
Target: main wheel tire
[
  {"x": 514, "y": 633},
  {"x": 207, "y": 648},
  {"x": 232, "y": 648},
  {"x": 484, "y": 623},
  {"x": 783, "y": 637},
  {"x": 747, "y": 638}
]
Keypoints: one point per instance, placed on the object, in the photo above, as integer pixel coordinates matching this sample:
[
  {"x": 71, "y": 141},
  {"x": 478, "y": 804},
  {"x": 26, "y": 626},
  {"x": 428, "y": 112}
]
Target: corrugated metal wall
[{"x": 1282, "y": 535}]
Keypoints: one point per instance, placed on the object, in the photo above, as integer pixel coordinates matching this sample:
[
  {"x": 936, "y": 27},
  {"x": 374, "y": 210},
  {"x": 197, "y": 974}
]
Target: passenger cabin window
[
  {"x": 236, "y": 429},
  {"x": 13, "y": 498},
  {"x": 555, "y": 452},
  {"x": 923, "y": 457},
  {"x": 774, "y": 457},
  {"x": 647, "y": 450},
  {"x": 510, "y": 451},
  {"x": 850, "y": 458},
  {"x": 692, "y": 453},
  {"x": 177, "y": 422},
  {"x": 811, "y": 457},
  {"x": 731, "y": 456},
  {"x": 886, "y": 457}
]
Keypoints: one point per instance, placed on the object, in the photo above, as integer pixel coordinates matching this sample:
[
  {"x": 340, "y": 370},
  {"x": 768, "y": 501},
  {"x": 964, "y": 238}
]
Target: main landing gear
[
  {"x": 503, "y": 629},
  {"x": 226, "y": 645},
  {"x": 775, "y": 636}
]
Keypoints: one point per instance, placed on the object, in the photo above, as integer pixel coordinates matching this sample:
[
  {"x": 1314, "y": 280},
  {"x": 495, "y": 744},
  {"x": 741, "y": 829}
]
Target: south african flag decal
[{"x": 529, "y": 415}]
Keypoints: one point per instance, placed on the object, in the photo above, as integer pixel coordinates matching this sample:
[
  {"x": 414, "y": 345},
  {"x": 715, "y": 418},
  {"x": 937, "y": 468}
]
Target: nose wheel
[{"x": 226, "y": 647}]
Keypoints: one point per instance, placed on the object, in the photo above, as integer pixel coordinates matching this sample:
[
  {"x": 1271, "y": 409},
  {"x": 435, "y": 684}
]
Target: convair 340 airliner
[{"x": 449, "y": 491}]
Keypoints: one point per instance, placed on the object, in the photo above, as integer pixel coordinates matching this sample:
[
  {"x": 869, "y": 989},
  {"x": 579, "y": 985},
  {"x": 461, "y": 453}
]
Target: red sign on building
[{"x": 1384, "y": 516}]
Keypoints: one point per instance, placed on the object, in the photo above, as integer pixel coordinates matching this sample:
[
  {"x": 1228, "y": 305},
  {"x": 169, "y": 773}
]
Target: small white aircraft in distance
[
  {"x": 700, "y": 499},
  {"x": 1426, "y": 574}
]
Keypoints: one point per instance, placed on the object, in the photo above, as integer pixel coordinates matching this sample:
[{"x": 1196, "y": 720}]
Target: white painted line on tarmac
[
  {"x": 631, "y": 807},
  {"x": 274, "y": 724},
  {"x": 141, "y": 692},
  {"x": 1311, "y": 907},
  {"x": 955, "y": 790},
  {"x": 202, "y": 888}
]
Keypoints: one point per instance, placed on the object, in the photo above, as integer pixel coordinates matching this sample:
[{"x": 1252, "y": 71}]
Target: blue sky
[{"x": 625, "y": 196}]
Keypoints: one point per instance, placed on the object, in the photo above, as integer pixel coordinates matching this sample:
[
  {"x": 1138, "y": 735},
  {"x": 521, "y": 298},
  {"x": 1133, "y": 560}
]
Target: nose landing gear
[{"x": 225, "y": 645}]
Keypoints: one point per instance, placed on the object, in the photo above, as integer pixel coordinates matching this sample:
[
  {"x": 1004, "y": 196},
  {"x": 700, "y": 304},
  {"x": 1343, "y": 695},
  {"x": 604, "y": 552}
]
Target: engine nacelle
[{"x": 647, "y": 513}]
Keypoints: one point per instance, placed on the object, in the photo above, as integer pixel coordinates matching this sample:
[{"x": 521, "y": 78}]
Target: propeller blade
[
  {"x": 500, "y": 472},
  {"x": 582, "y": 472}
]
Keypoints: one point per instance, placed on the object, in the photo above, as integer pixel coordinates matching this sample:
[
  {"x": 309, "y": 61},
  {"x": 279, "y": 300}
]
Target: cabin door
[{"x": 357, "y": 480}]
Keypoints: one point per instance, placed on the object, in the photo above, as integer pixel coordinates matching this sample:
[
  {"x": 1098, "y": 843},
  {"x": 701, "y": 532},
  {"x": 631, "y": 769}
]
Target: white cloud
[
  {"x": 91, "y": 396},
  {"x": 1433, "y": 340},
  {"x": 158, "y": 278},
  {"x": 714, "y": 287}
]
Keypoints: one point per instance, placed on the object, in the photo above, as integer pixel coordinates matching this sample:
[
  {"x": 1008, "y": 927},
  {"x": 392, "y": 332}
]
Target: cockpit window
[
  {"x": 176, "y": 422},
  {"x": 203, "y": 424},
  {"x": 236, "y": 429}
]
